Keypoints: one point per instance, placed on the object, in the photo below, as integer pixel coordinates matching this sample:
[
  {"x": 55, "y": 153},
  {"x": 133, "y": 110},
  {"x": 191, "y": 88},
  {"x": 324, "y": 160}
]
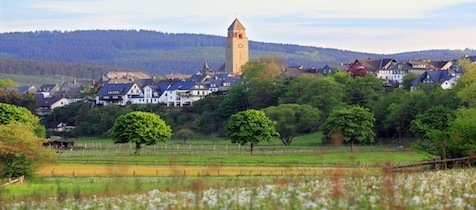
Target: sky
[{"x": 378, "y": 26}]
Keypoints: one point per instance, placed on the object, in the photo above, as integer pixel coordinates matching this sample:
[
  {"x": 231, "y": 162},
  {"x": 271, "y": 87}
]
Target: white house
[
  {"x": 394, "y": 74},
  {"x": 119, "y": 94},
  {"x": 46, "y": 104},
  {"x": 184, "y": 93}
]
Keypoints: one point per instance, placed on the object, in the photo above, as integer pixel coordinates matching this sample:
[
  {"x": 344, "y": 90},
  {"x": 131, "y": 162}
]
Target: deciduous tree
[
  {"x": 11, "y": 113},
  {"x": 21, "y": 151},
  {"x": 355, "y": 123},
  {"x": 250, "y": 126},
  {"x": 293, "y": 119},
  {"x": 140, "y": 128}
]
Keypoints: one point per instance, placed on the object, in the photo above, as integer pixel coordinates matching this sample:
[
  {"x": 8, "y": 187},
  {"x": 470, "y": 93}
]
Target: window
[{"x": 240, "y": 36}]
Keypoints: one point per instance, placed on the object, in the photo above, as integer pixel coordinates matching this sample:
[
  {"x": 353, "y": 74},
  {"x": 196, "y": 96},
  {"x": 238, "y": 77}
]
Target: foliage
[
  {"x": 467, "y": 84},
  {"x": 435, "y": 118},
  {"x": 11, "y": 113},
  {"x": 408, "y": 79},
  {"x": 323, "y": 93},
  {"x": 21, "y": 151},
  {"x": 150, "y": 51},
  {"x": 463, "y": 132},
  {"x": 263, "y": 69},
  {"x": 13, "y": 97},
  {"x": 140, "y": 128},
  {"x": 250, "y": 126},
  {"x": 236, "y": 100},
  {"x": 363, "y": 91},
  {"x": 293, "y": 119},
  {"x": 97, "y": 121},
  {"x": 4, "y": 83},
  {"x": 264, "y": 93},
  {"x": 354, "y": 123}
]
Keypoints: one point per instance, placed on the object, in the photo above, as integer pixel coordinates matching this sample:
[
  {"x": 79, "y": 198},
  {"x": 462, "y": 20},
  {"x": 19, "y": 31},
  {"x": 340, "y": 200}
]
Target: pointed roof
[
  {"x": 205, "y": 66},
  {"x": 236, "y": 25}
]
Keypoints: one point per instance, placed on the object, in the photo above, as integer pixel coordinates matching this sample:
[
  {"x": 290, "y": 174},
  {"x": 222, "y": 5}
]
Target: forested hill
[
  {"x": 48, "y": 68},
  {"x": 161, "y": 53}
]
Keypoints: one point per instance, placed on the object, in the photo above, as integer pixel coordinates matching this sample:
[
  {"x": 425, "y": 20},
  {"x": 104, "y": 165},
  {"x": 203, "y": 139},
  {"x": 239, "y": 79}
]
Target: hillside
[
  {"x": 160, "y": 53},
  {"x": 37, "y": 72}
]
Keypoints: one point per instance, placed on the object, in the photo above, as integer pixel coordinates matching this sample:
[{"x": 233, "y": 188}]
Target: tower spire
[{"x": 205, "y": 66}]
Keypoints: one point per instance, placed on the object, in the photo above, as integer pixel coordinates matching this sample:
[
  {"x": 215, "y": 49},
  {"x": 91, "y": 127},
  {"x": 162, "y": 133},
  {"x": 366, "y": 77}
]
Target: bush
[{"x": 16, "y": 166}]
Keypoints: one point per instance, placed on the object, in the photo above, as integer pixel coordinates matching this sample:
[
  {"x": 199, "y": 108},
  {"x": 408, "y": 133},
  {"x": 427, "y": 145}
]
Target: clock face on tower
[{"x": 240, "y": 45}]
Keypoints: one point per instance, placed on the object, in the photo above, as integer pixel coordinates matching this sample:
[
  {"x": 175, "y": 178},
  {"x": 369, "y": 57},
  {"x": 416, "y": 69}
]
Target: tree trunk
[
  {"x": 251, "y": 148},
  {"x": 137, "y": 148},
  {"x": 287, "y": 141},
  {"x": 352, "y": 146}
]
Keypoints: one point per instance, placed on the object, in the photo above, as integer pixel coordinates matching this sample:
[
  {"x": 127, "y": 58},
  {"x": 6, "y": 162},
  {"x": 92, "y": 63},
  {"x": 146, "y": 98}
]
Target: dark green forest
[{"x": 161, "y": 53}]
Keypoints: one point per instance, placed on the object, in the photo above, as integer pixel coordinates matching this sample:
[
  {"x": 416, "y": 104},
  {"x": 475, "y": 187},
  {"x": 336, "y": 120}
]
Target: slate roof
[
  {"x": 121, "y": 89},
  {"x": 374, "y": 65},
  {"x": 46, "y": 87},
  {"x": 236, "y": 25},
  {"x": 437, "y": 76},
  {"x": 46, "y": 102},
  {"x": 158, "y": 88},
  {"x": 183, "y": 85},
  {"x": 472, "y": 58}
]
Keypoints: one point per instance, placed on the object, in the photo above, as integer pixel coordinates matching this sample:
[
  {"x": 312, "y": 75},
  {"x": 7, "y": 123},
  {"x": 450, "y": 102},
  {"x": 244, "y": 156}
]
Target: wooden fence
[
  {"x": 19, "y": 180},
  {"x": 436, "y": 164}
]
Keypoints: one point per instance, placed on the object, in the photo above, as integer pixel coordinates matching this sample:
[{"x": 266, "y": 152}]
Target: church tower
[{"x": 236, "y": 54}]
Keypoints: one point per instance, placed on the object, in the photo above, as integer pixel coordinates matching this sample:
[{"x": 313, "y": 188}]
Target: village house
[
  {"x": 362, "y": 67},
  {"x": 394, "y": 74},
  {"x": 118, "y": 94},
  {"x": 45, "y": 105},
  {"x": 443, "y": 78},
  {"x": 184, "y": 93},
  {"x": 421, "y": 66}
]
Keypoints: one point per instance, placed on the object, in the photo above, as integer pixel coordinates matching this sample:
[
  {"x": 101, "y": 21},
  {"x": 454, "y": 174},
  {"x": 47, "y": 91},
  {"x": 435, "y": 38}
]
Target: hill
[
  {"x": 160, "y": 53},
  {"x": 38, "y": 72}
]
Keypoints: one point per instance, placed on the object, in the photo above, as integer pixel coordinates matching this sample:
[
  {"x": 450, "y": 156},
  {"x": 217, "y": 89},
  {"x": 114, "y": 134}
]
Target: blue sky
[{"x": 379, "y": 26}]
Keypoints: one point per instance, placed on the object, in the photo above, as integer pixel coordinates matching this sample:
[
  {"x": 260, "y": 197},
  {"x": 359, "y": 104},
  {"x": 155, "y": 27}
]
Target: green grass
[
  {"x": 327, "y": 159},
  {"x": 305, "y": 150}
]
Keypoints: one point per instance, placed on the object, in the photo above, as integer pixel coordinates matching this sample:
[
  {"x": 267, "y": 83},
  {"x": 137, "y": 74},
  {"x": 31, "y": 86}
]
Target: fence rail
[
  {"x": 443, "y": 163},
  {"x": 19, "y": 180}
]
